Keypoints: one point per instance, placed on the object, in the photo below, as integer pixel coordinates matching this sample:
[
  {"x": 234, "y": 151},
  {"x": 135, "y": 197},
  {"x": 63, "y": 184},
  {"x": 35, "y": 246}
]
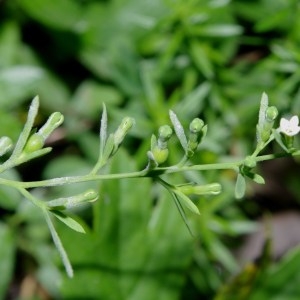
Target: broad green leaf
[
  {"x": 70, "y": 222},
  {"x": 178, "y": 130},
  {"x": 240, "y": 186},
  {"x": 7, "y": 258}
]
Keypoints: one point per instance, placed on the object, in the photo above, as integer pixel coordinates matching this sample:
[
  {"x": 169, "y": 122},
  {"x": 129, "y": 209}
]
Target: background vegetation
[{"x": 209, "y": 59}]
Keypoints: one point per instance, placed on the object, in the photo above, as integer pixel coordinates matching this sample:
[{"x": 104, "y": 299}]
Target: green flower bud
[
  {"x": 52, "y": 123},
  {"x": 34, "y": 143},
  {"x": 196, "y": 125},
  {"x": 197, "y": 132},
  {"x": 69, "y": 202},
  {"x": 207, "y": 189},
  {"x": 122, "y": 130},
  {"x": 271, "y": 113},
  {"x": 160, "y": 155},
  {"x": 5, "y": 145},
  {"x": 164, "y": 133}
]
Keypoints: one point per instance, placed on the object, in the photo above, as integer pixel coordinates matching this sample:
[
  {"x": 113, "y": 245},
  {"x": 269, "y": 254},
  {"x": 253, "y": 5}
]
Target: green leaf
[
  {"x": 201, "y": 59},
  {"x": 178, "y": 130},
  {"x": 240, "y": 186},
  {"x": 70, "y": 222},
  {"x": 103, "y": 130},
  {"x": 7, "y": 255},
  {"x": 182, "y": 212},
  {"x": 58, "y": 244},
  {"x": 262, "y": 115},
  {"x": 221, "y": 30},
  {"x": 258, "y": 179},
  {"x": 187, "y": 202}
]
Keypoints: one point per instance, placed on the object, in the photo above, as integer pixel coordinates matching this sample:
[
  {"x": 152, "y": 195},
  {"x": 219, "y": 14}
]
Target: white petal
[
  {"x": 283, "y": 123},
  {"x": 294, "y": 121}
]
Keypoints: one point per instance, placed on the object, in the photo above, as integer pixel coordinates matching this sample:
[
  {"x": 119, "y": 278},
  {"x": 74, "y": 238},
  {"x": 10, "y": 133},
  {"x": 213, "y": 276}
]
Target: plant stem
[{"x": 143, "y": 173}]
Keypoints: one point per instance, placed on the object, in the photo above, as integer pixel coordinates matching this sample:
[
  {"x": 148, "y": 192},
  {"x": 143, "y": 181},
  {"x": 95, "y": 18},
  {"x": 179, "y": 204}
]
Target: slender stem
[{"x": 143, "y": 173}]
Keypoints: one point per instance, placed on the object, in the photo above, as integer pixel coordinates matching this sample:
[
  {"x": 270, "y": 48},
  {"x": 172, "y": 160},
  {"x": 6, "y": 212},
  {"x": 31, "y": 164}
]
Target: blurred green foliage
[{"x": 200, "y": 58}]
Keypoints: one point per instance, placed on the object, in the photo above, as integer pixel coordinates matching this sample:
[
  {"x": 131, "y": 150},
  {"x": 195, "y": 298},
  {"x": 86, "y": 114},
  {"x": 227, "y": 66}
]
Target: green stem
[{"x": 21, "y": 186}]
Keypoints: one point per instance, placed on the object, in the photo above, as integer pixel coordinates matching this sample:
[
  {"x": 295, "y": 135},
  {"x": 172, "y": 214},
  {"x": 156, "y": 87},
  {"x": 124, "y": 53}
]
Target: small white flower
[{"x": 289, "y": 127}]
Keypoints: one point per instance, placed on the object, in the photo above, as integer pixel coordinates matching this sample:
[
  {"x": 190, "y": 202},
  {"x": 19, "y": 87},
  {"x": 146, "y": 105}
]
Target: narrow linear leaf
[
  {"x": 33, "y": 110},
  {"x": 240, "y": 186},
  {"x": 181, "y": 212},
  {"x": 263, "y": 108},
  {"x": 70, "y": 222},
  {"x": 178, "y": 130},
  {"x": 103, "y": 130},
  {"x": 59, "y": 246},
  {"x": 187, "y": 202}
]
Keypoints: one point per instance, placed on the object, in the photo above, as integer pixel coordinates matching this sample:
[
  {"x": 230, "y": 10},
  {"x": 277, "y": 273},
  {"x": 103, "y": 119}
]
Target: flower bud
[
  {"x": 196, "y": 125},
  {"x": 271, "y": 113},
  {"x": 34, "y": 143},
  {"x": 5, "y": 145},
  {"x": 52, "y": 123},
  {"x": 207, "y": 189},
  {"x": 197, "y": 132},
  {"x": 164, "y": 133},
  {"x": 122, "y": 130},
  {"x": 160, "y": 155},
  {"x": 69, "y": 202}
]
